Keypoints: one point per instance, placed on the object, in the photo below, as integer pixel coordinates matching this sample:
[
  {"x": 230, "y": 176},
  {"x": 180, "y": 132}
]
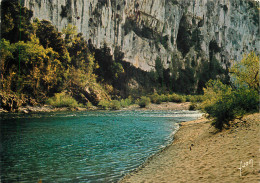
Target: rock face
[{"x": 189, "y": 31}]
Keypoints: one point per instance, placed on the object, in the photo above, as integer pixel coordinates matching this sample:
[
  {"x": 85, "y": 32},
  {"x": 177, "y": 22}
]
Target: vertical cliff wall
[{"x": 182, "y": 33}]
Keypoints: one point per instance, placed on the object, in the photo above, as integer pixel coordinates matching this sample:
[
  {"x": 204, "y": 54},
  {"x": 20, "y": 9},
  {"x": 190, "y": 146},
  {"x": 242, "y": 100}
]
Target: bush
[
  {"x": 89, "y": 105},
  {"x": 155, "y": 98},
  {"x": 177, "y": 98},
  {"x": 193, "y": 106},
  {"x": 224, "y": 104},
  {"x": 115, "y": 105},
  {"x": 62, "y": 100},
  {"x": 189, "y": 98},
  {"x": 164, "y": 98},
  {"x": 194, "y": 98},
  {"x": 144, "y": 101},
  {"x": 104, "y": 104},
  {"x": 126, "y": 102}
]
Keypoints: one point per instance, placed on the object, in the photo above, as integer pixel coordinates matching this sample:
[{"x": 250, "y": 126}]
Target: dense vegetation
[
  {"x": 39, "y": 62},
  {"x": 224, "y": 103}
]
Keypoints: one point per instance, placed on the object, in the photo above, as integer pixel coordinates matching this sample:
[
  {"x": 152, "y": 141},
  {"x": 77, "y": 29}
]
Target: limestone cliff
[{"x": 183, "y": 33}]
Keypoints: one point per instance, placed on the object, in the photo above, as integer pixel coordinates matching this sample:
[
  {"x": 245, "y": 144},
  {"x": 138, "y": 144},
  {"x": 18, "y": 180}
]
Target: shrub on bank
[
  {"x": 177, "y": 98},
  {"x": 164, "y": 98},
  {"x": 115, "y": 105},
  {"x": 89, "y": 105},
  {"x": 188, "y": 98},
  {"x": 193, "y": 106},
  {"x": 104, "y": 104},
  {"x": 224, "y": 104},
  {"x": 144, "y": 101},
  {"x": 126, "y": 102},
  {"x": 62, "y": 100},
  {"x": 156, "y": 98},
  {"x": 194, "y": 98}
]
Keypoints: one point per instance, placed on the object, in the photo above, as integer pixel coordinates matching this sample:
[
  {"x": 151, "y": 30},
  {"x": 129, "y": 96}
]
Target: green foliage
[
  {"x": 115, "y": 105},
  {"x": 213, "y": 91},
  {"x": 80, "y": 77},
  {"x": 194, "y": 98},
  {"x": 15, "y": 21},
  {"x": 193, "y": 106},
  {"x": 144, "y": 101},
  {"x": 89, "y": 105},
  {"x": 50, "y": 37},
  {"x": 126, "y": 102},
  {"x": 109, "y": 70},
  {"x": 29, "y": 68},
  {"x": 212, "y": 70},
  {"x": 195, "y": 101},
  {"x": 43, "y": 62},
  {"x": 104, "y": 104},
  {"x": 6, "y": 52},
  {"x": 186, "y": 80},
  {"x": 189, "y": 98},
  {"x": 246, "y": 72},
  {"x": 62, "y": 100},
  {"x": 177, "y": 98},
  {"x": 197, "y": 98},
  {"x": 70, "y": 32},
  {"x": 155, "y": 98},
  {"x": 158, "y": 99},
  {"x": 165, "y": 98},
  {"x": 159, "y": 70},
  {"x": 224, "y": 104}
]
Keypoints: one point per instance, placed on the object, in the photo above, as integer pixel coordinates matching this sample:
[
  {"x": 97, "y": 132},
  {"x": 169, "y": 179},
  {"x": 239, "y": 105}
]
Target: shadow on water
[{"x": 94, "y": 146}]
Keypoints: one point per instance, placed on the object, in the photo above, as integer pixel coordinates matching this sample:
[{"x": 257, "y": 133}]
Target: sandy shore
[
  {"x": 201, "y": 154},
  {"x": 162, "y": 106},
  {"x": 169, "y": 106}
]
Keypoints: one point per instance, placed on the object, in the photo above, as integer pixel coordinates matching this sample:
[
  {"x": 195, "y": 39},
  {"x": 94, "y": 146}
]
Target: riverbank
[
  {"x": 48, "y": 108},
  {"x": 201, "y": 154}
]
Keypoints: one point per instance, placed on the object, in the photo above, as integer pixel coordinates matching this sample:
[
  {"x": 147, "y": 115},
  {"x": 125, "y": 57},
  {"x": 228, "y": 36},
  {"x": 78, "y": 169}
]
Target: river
[{"x": 92, "y": 146}]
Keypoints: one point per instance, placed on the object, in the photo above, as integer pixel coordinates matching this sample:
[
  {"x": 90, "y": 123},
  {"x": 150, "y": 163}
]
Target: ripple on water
[{"x": 83, "y": 146}]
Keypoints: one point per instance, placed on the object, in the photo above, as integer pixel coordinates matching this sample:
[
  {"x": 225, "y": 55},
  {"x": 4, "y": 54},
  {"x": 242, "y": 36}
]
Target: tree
[
  {"x": 50, "y": 37},
  {"x": 70, "y": 32},
  {"x": 109, "y": 70},
  {"x": 224, "y": 104},
  {"x": 78, "y": 50},
  {"x": 15, "y": 21},
  {"x": 246, "y": 72},
  {"x": 159, "y": 70},
  {"x": 40, "y": 68},
  {"x": 6, "y": 52}
]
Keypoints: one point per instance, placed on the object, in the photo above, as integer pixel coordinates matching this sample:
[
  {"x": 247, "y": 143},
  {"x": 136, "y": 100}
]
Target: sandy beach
[{"x": 199, "y": 153}]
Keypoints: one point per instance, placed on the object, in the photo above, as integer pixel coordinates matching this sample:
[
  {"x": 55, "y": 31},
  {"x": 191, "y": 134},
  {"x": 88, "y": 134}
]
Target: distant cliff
[{"x": 184, "y": 34}]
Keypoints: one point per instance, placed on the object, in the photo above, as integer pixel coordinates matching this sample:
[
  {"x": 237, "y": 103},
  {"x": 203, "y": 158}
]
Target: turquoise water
[{"x": 83, "y": 146}]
